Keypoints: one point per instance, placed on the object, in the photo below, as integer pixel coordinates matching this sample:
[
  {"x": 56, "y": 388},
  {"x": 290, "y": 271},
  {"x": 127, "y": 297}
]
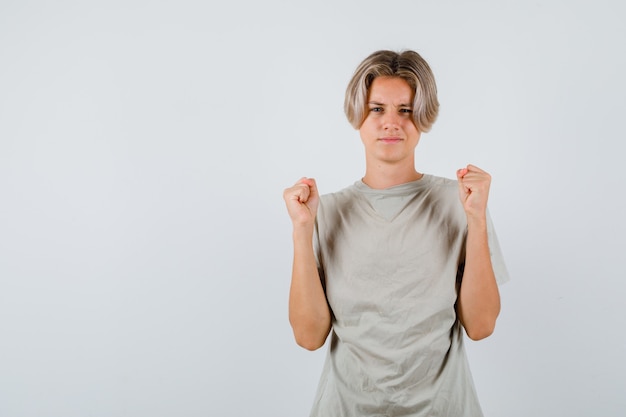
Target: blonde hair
[{"x": 409, "y": 66}]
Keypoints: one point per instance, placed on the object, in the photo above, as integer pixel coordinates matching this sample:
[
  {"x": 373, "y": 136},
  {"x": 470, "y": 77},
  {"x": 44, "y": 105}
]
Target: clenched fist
[
  {"x": 474, "y": 190},
  {"x": 302, "y": 200}
]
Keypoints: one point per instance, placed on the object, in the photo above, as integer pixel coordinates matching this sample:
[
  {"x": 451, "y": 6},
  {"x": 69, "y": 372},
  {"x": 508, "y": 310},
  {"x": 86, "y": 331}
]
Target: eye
[
  {"x": 406, "y": 111},
  {"x": 376, "y": 109}
]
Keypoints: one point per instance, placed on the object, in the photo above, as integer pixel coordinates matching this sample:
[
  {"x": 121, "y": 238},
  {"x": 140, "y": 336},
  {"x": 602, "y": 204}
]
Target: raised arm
[
  {"x": 309, "y": 313},
  {"x": 478, "y": 304}
]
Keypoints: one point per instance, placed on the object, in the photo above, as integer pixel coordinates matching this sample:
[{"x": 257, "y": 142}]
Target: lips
[{"x": 390, "y": 139}]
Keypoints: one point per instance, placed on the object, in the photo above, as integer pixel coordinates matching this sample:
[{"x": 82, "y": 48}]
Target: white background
[{"x": 145, "y": 250}]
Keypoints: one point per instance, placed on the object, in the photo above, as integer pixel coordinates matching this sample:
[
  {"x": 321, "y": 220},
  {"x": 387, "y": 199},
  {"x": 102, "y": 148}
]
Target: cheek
[
  {"x": 409, "y": 127},
  {"x": 367, "y": 128},
  {"x": 364, "y": 134},
  {"x": 412, "y": 132}
]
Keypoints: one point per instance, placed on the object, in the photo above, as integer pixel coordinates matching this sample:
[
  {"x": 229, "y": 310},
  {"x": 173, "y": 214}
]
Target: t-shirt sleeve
[
  {"x": 318, "y": 254},
  {"x": 497, "y": 259}
]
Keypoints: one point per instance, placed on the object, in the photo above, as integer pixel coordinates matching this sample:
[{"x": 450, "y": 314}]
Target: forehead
[{"x": 390, "y": 89}]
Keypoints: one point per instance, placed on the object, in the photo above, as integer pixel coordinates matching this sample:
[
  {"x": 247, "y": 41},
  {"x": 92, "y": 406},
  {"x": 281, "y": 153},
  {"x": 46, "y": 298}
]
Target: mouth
[{"x": 390, "y": 139}]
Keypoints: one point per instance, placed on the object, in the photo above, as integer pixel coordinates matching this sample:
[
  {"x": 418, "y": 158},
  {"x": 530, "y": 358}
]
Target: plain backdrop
[{"x": 145, "y": 250}]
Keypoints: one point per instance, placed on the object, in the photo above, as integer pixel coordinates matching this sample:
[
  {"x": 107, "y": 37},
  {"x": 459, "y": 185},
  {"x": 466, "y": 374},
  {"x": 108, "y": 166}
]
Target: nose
[{"x": 391, "y": 121}]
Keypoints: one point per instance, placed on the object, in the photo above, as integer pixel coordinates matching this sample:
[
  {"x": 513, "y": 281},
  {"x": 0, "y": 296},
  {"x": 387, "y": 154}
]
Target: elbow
[
  {"x": 311, "y": 335},
  {"x": 479, "y": 334},
  {"x": 480, "y": 331},
  {"x": 308, "y": 341},
  {"x": 309, "y": 344},
  {"x": 480, "y": 323}
]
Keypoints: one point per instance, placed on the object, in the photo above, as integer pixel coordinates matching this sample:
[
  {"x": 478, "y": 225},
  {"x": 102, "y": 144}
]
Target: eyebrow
[{"x": 375, "y": 103}]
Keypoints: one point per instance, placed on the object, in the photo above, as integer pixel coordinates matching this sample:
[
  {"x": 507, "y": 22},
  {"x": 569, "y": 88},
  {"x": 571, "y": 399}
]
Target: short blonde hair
[{"x": 409, "y": 66}]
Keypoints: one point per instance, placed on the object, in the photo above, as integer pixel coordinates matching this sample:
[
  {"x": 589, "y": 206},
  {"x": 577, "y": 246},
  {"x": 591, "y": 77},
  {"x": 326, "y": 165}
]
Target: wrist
[
  {"x": 302, "y": 232},
  {"x": 477, "y": 221}
]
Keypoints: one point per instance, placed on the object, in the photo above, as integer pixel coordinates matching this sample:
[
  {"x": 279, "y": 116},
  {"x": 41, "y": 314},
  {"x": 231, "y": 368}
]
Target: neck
[{"x": 382, "y": 176}]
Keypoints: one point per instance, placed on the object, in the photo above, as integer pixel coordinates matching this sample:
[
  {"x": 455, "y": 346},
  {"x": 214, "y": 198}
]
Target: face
[{"x": 388, "y": 132}]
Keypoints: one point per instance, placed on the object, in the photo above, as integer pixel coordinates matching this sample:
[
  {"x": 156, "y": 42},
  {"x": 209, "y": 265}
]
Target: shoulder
[
  {"x": 338, "y": 205},
  {"x": 442, "y": 188},
  {"x": 443, "y": 196},
  {"x": 339, "y": 198},
  {"x": 441, "y": 183}
]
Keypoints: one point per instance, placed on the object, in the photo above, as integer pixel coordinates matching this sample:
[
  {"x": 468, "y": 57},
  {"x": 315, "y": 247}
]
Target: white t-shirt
[{"x": 389, "y": 261}]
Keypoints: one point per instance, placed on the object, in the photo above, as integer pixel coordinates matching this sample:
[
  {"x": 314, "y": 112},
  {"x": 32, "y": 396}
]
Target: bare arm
[
  {"x": 309, "y": 313},
  {"x": 478, "y": 304}
]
